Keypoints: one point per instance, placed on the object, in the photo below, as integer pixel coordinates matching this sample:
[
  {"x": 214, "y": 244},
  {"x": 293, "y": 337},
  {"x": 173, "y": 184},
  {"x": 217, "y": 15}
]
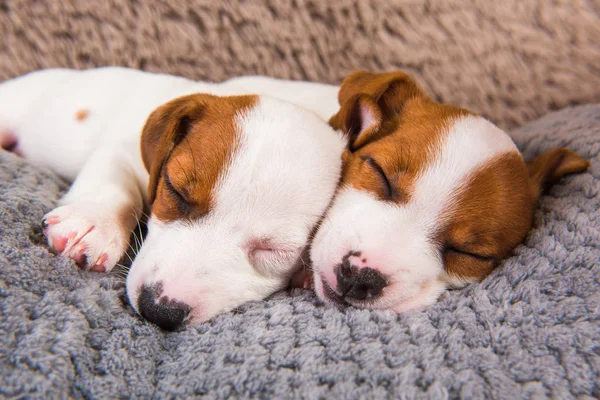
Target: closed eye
[
  {"x": 389, "y": 191},
  {"x": 182, "y": 203},
  {"x": 477, "y": 256}
]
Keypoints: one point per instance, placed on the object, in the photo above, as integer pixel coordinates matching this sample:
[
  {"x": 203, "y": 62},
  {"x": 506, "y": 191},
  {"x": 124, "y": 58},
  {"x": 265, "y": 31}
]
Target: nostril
[
  {"x": 167, "y": 314},
  {"x": 347, "y": 269},
  {"x": 345, "y": 274},
  {"x": 363, "y": 284}
]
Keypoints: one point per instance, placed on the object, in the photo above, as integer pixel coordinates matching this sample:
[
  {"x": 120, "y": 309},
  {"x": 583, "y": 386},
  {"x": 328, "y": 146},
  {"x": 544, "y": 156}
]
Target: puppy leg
[{"x": 96, "y": 217}]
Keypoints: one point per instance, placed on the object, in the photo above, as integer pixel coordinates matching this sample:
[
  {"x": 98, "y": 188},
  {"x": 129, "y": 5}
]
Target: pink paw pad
[{"x": 58, "y": 243}]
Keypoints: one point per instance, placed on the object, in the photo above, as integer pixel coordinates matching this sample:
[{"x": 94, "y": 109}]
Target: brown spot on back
[
  {"x": 194, "y": 162},
  {"x": 82, "y": 114}
]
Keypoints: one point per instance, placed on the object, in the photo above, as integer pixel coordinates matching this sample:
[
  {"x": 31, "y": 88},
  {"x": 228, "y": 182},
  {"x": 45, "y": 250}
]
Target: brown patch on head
[
  {"x": 393, "y": 131},
  {"x": 186, "y": 144},
  {"x": 495, "y": 211},
  {"x": 490, "y": 217},
  {"x": 82, "y": 114},
  {"x": 388, "y": 150}
]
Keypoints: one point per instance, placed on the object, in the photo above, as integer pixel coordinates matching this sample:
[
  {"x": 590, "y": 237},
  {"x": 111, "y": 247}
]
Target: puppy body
[
  {"x": 63, "y": 111},
  {"x": 234, "y": 184}
]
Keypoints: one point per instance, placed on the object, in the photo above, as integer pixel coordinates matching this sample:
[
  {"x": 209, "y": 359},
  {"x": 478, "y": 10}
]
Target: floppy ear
[
  {"x": 165, "y": 128},
  {"x": 360, "y": 119},
  {"x": 367, "y": 99},
  {"x": 551, "y": 166},
  {"x": 389, "y": 89}
]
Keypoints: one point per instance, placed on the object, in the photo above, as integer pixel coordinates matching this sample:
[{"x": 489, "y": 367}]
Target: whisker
[
  {"x": 121, "y": 266},
  {"x": 141, "y": 235},
  {"x": 138, "y": 236},
  {"x": 120, "y": 272},
  {"x": 137, "y": 242},
  {"x": 127, "y": 254},
  {"x": 143, "y": 214}
]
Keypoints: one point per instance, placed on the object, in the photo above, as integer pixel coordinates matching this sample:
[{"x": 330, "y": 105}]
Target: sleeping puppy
[
  {"x": 431, "y": 197},
  {"x": 234, "y": 182}
]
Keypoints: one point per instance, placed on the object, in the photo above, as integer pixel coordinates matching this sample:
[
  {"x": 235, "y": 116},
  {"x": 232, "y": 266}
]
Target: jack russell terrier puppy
[
  {"x": 431, "y": 197},
  {"x": 234, "y": 184}
]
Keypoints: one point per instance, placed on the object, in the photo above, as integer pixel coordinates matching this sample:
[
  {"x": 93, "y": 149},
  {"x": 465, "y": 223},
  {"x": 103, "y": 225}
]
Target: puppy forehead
[
  {"x": 285, "y": 161},
  {"x": 199, "y": 160},
  {"x": 212, "y": 138},
  {"x": 469, "y": 143},
  {"x": 466, "y": 144}
]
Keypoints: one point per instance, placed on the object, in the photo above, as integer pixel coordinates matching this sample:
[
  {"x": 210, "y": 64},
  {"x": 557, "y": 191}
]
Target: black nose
[
  {"x": 359, "y": 284},
  {"x": 168, "y": 314}
]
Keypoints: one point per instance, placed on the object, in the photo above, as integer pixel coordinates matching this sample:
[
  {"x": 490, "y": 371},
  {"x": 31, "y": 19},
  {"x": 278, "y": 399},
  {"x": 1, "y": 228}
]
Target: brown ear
[
  {"x": 551, "y": 166},
  {"x": 359, "y": 119},
  {"x": 367, "y": 99},
  {"x": 166, "y": 127},
  {"x": 389, "y": 89}
]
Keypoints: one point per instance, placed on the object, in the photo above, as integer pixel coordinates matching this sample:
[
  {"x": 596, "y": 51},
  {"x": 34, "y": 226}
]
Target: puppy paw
[{"x": 95, "y": 239}]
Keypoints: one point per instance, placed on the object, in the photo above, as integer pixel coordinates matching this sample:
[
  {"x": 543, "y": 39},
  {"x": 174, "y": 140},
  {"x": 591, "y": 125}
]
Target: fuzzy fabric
[
  {"x": 530, "y": 330},
  {"x": 512, "y": 61}
]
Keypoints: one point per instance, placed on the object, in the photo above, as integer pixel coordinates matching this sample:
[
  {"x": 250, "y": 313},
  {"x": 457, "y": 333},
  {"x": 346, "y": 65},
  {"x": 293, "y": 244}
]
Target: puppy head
[
  {"x": 236, "y": 186},
  {"x": 431, "y": 196}
]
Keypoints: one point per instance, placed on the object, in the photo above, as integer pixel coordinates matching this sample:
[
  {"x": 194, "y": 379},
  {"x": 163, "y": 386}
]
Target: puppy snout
[
  {"x": 167, "y": 314},
  {"x": 359, "y": 284}
]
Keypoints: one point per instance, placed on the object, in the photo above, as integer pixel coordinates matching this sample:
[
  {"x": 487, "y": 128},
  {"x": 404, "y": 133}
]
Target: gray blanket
[{"x": 530, "y": 330}]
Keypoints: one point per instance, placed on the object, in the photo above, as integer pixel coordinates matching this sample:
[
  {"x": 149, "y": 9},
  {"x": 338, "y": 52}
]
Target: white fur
[
  {"x": 269, "y": 193},
  {"x": 320, "y": 98},
  {"x": 278, "y": 184},
  {"x": 395, "y": 238}
]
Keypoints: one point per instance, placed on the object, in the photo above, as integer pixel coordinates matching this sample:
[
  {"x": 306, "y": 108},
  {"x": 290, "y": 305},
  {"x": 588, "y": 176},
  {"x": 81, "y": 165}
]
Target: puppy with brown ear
[
  {"x": 432, "y": 196},
  {"x": 234, "y": 183}
]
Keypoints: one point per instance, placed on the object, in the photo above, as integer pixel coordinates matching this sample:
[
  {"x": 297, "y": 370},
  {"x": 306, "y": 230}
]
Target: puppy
[
  {"x": 432, "y": 197},
  {"x": 234, "y": 182}
]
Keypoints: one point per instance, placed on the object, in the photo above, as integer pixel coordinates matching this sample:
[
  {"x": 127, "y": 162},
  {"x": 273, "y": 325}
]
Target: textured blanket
[{"x": 530, "y": 329}]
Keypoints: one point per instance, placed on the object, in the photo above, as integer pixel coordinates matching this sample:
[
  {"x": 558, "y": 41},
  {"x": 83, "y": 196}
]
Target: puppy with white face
[
  {"x": 431, "y": 197},
  {"x": 235, "y": 189},
  {"x": 234, "y": 182}
]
